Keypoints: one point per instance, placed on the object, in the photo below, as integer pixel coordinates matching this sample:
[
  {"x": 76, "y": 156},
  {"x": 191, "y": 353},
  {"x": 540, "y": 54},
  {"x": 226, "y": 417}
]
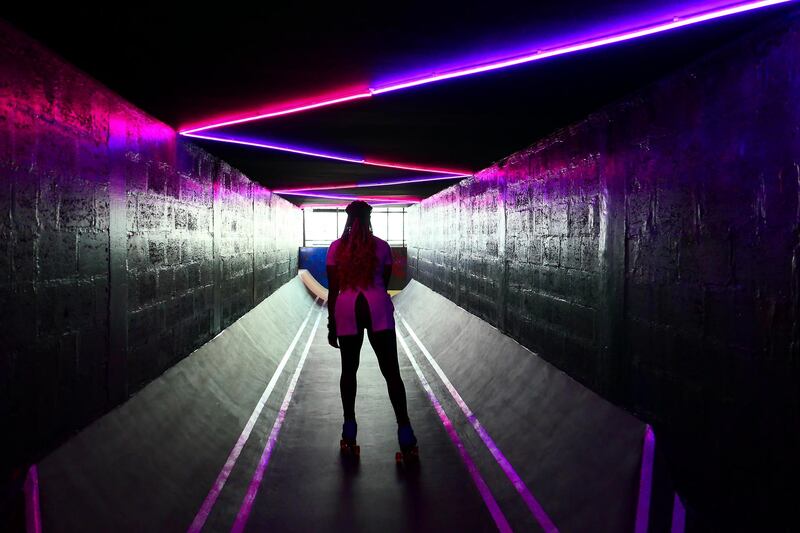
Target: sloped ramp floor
[{"x": 151, "y": 464}]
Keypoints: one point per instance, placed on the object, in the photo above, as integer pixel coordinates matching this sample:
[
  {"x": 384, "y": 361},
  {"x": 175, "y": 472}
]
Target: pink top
[{"x": 381, "y": 309}]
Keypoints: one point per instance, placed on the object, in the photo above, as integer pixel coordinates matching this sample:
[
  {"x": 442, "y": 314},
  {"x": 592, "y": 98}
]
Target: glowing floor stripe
[
  {"x": 208, "y": 504},
  {"x": 678, "y": 516},
  {"x": 645, "y": 481},
  {"x": 483, "y": 488},
  {"x": 33, "y": 513},
  {"x": 258, "y": 475},
  {"x": 535, "y": 508}
]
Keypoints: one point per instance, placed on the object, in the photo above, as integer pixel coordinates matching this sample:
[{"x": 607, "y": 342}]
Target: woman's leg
[
  {"x": 350, "y": 347},
  {"x": 385, "y": 345}
]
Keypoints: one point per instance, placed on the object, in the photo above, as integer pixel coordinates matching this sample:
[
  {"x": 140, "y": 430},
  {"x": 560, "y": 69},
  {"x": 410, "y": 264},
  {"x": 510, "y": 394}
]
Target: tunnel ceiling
[{"x": 188, "y": 66}]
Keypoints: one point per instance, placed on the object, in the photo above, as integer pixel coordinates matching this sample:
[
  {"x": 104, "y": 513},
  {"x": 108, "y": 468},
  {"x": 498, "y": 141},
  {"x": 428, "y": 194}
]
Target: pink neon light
[
  {"x": 390, "y": 164},
  {"x": 645, "y": 481},
  {"x": 412, "y": 180},
  {"x": 584, "y": 45},
  {"x": 371, "y": 183},
  {"x": 347, "y": 197},
  {"x": 467, "y": 71},
  {"x": 324, "y": 101},
  {"x": 317, "y": 188},
  {"x": 286, "y": 148},
  {"x": 33, "y": 513},
  {"x": 486, "y": 493},
  {"x": 258, "y": 475},
  {"x": 534, "y": 506},
  {"x": 343, "y": 205},
  {"x": 315, "y": 104}
]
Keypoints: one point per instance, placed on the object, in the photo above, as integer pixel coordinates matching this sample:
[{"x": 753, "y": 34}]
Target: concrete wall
[
  {"x": 651, "y": 251},
  {"x": 122, "y": 248}
]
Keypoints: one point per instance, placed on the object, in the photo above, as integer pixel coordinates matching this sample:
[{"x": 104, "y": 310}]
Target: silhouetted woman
[{"x": 359, "y": 266}]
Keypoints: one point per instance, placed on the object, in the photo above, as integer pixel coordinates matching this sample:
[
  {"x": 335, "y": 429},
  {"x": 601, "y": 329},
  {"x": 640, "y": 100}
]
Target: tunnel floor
[
  {"x": 373, "y": 493},
  {"x": 243, "y": 435}
]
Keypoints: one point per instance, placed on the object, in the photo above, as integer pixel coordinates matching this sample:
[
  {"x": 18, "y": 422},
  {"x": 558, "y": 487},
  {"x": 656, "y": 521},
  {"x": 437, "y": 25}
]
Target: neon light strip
[
  {"x": 495, "y": 65},
  {"x": 343, "y": 205},
  {"x": 316, "y": 188},
  {"x": 326, "y": 155},
  {"x": 535, "y": 508},
  {"x": 389, "y": 164},
  {"x": 316, "y": 105},
  {"x": 348, "y": 197},
  {"x": 258, "y": 475},
  {"x": 208, "y": 504},
  {"x": 678, "y": 516},
  {"x": 585, "y": 45},
  {"x": 33, "y": 511},
  {"x": 361, "y": 184},
  {"x": 494, "y": 509},
  {"x": 645, "y": 481},
  {"x": 275, "y": 147}
]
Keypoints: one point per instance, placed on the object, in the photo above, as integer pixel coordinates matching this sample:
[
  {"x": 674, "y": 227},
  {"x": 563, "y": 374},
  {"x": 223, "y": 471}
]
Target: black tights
[{"x": 385, "y": 345}]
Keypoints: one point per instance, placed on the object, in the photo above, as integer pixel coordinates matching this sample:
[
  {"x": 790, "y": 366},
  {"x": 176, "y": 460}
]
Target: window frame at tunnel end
[{"x": 309, "y": 240}]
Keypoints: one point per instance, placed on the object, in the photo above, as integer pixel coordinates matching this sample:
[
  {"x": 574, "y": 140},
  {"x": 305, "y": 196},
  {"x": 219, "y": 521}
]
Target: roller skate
[
  {"x": 347, "y": 445},
  {"x": 409, "y": 453}
]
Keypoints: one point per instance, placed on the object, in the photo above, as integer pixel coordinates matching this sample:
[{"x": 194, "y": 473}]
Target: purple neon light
[
  {"x": 410, "y": 180},
  {"x": 211, "y": 499},
  {"x": 535, "y": 508},
  {"x": 258, "y": 475},
  {"x": 494, "y": 509},
  {"x": 645, "y": 481},
  {"x": 343, "y": 205},
  {"x": 325, "y": 155},
  {"x": 280, "y": 147},
  {"x": 468, "y": 70},
  {"x": 583, "y": 45},
  {"x": 678, "y": 516},
  {"x": 33, "y": 512},
  {"x": 537, "y": 55},
  {"x": 362, "y": 184},
  {"x": 397, "y": 199}
]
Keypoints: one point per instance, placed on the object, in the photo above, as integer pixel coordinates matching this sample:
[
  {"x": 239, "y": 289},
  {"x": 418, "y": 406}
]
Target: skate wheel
[
  {"x": 413, "y": 455},
  {"x": 398, "y": 457},
  {"x": 349, "y": 449}
]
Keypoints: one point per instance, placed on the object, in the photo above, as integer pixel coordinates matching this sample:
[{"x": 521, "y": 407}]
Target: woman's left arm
[
  {"x": 333, "y": 293},
  {"x": 387, "y": 267}
]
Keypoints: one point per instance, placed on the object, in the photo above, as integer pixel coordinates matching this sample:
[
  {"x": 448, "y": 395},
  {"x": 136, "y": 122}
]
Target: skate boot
[
  {"x": 409, "y": 453},
  {"x": 348, "y": 444}
]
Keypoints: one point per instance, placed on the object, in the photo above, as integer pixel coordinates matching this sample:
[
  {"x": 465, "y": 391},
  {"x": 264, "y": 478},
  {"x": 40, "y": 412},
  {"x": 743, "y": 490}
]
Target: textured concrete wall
[
  {"x": 122, "y": 248},
  {"x": 652, "y": 251}
]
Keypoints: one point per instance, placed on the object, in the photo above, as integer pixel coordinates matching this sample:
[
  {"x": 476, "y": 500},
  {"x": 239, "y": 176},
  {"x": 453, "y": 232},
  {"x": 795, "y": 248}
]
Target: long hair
[{"x": 355, "y": 257}]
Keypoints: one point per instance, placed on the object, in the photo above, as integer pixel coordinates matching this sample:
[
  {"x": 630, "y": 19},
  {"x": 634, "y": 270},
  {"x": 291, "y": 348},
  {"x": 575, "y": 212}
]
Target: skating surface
[
  {"x": 308, "y": 487},
  {"x": 155, "y": 463},
  {"x": 149, "y": 465}
]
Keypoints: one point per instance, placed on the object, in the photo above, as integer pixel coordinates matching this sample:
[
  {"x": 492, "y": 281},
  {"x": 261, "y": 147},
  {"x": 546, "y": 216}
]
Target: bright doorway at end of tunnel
[{"x": 322, "y": 226}]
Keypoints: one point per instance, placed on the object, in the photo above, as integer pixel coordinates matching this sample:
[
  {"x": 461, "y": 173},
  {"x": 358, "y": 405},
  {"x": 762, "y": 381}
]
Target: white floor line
[
  {"x": 497, "y": 514},
  {"x": 208, "y": 504},
  {"x": 535, "y": 508},
  {"x": 258, "y": 475}
]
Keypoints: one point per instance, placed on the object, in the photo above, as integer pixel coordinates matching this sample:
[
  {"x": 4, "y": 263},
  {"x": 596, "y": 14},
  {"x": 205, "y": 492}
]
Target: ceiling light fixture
[
  {"x": 466, "y": 70},
  {"x": 361, "y": 184}
]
